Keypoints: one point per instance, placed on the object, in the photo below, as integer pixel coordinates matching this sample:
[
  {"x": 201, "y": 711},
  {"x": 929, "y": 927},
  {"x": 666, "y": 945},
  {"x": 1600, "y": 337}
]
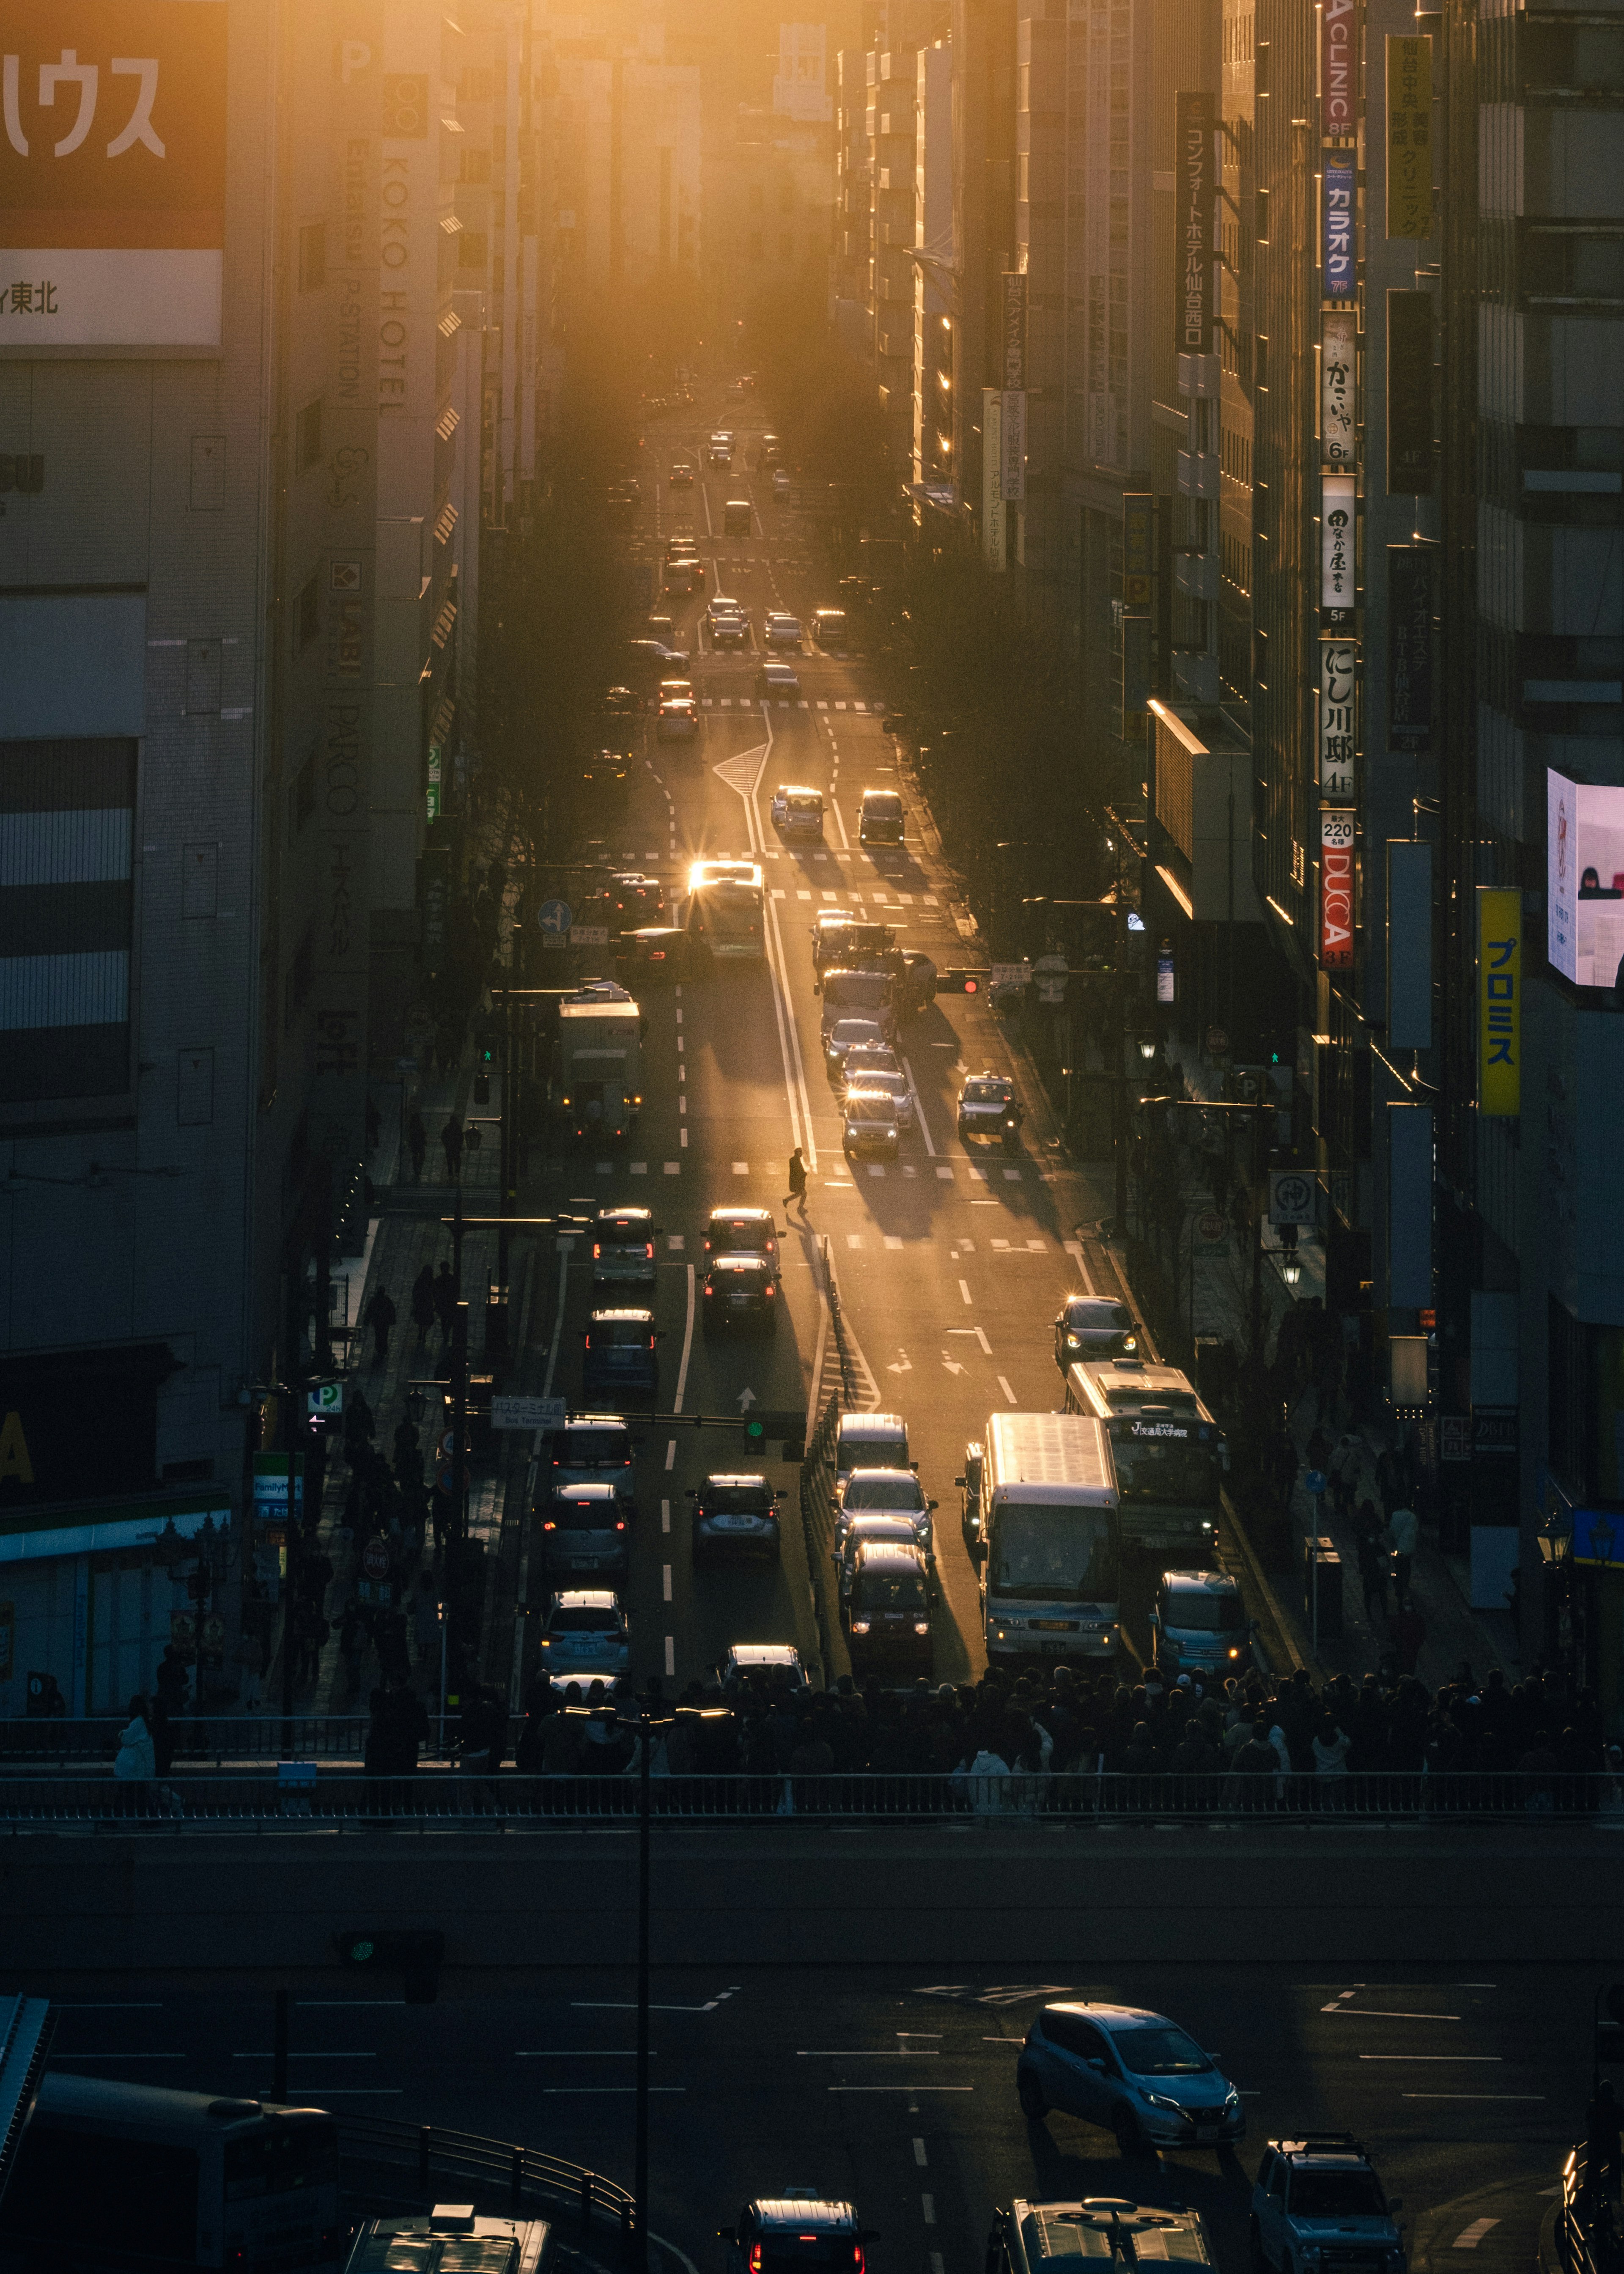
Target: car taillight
[
  {"x": 858, "y": 2260},
  {"x": 597, "y": 1250},
  {"x": 771, "y": 1291},
  {"x": 709, "y": 1292},
  {"x": 921, "y": 1626},
  {"x": 860, "y": 1626},
  {"x": 755, "y": 2258},
  {"x": 589, "y": 1342},
  {"x": 549, "y": 1525},
  {"x": 648, "y": 1244},
  {"x": 621, "y": 1526}
]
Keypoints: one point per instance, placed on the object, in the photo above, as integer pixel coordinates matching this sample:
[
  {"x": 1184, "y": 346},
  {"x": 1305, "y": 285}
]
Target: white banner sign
[
  {"x": 1014, "y": 484},
  {"x": 1338, "y": 730},
  {"x": 527, "y": 1413},
  {"x": 1338, "y": 395},
  {"x": 1336, "y": 540}
]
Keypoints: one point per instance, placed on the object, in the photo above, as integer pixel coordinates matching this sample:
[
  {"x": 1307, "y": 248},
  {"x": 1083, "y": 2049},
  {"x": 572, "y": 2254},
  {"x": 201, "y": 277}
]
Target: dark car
[
  {"x": 735, "y": 1515},
  {"x": 916, "y": 982},
  {"x": 879, "y": 817},
  {"x": 741, "y": 1294},
  {"x": 888, "y": 1611},
  {"x": 1318, "y": 2202},
  {"x": 618, "y": 1354},
  {"x": 623, "y": 1247},
  {"x": 633, "y": 902},
  {"x": 650, "y": 660},
  {"x": 654, "y": 953},
  {"x": 622, "y": 703},
  {"x": 837, "y": 939},
  {"x": 970, "y": 1495},
  {"x": 741, "y": 1231},
  {"x": 989, "y": 1112},
  {"x": 1093, "y": 1326},
  {"x": 803, "y": 2234},
  {"x": 594, "y": 1449},
  {"x": 584, "y": 1533},
  {"x": 1133, "y": 2072}
]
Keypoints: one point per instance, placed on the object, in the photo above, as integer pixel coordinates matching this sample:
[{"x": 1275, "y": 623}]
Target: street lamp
[{"x": 1291, "y": 1270}]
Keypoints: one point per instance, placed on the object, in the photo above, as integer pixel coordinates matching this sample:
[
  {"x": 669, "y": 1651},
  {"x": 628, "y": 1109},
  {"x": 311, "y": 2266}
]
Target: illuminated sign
[
  {"x": 1499, "y": 999},
  {"x": 1013, "y": 479},
  {"x": 1339, "y": 409},
  {"x": 1584, "y": 880},
  {"x": 1338, "y": 68},
  {"x": 112, "y": 174},
  {"x": 1194, "y": 119},
  {"x": 1336, "y": 541},
  {"x": 1338, "y": 889},
  {"x": 1338, "y": 727},
  {"x": 1337, "y": 252}
]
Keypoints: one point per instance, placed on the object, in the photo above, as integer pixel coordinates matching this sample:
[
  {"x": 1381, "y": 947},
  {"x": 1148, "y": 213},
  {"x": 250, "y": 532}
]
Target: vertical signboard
[
  {"x": 1409, "y": 135},
  {"x": 1338, "y": 888},
  {"x": 1014, "y": 295},
  {"x": 1194, "y": 205},
  {"x": 1410, "y": 394},
  {"x": 1338, "y": 69},
  {"x": 1339, "y": 408},
  {"x": 1499, "y": 1000},
  {"x": 1013, "y": 418},
  {"x": 1138, "y": 548},
  {"x": 992, "y": 478},
  {"x": 112, "y": 174},
  {"x": 1338, "y": 723},
  {"x": 1336, "y": 540},
  {"x": 1338, "y": 260},
  {"x": 1013, "y": 452},
  {"x": 1409, "y": 647}
]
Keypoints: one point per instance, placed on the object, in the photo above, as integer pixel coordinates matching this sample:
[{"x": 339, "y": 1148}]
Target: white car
[
  {"x": 861, "y": 1072},
  {"x": 782, "y": 628},
  {"x": 844, "y": 1035},
  {"x": 884, "y": 1491},
  {"x": 797, "y": 810},
  {"x": 585, "y": 1636},
  {"x": 778, "y": 679}
]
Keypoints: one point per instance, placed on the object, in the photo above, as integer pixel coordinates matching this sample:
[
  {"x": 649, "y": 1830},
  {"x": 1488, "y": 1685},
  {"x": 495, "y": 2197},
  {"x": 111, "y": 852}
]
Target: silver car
[
  {"x": 884, "y": 1491},
  {"x": 863, "y": 1070},
  {"x": 844, "y": 1035},
  {"x": 585, "y": 1634}
]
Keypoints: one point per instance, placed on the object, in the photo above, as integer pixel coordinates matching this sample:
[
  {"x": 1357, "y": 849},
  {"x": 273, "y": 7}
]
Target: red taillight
[
  {"x": 621, "y": 1526},
  {"x": 549, "y": 1525},
  {"x": 858, "y": 2260},
  {"x": 755, "y": 2258},
  {"x": 771, "y": 1291},
  {"x": 589, "y": 1342},
  {"x": 649, "y": 1247},
  {"x": 597, "y": 1251}
]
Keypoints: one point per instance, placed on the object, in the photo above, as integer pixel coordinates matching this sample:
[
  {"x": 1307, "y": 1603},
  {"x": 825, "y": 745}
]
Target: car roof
[
  {"x": 802, "y": 2210},
  {"x": 727, "y": 1215},
  {"x": 603, "y": 1317},
  {"x": 891, "y": 1556},
  {"x": 878, "y": 1473},
  {"x": 1105, "y": 1306},
  {"x": 873, "y": 1424},
  {"x": 585, "y": 1492},
  {"x": 629, "y": 1214},
  {"x": 1199, "y": 1582},
  {"x": 1108, "y": 2017},
  {"x": 1099, "y": 2227},
  {"x": 879, "y": 1523},
  {"x": 586, "y": 1599},
  {"x": 597, "y": 1421},
  {"x": 763, "y": 1654},
  {"x": 739, "y": 1259},
  {"x": 734, "y": 1477}
]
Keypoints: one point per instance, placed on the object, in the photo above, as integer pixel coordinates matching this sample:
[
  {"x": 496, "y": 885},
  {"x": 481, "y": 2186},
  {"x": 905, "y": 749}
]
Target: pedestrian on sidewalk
[
  {"x": 416, "y": 1144},
  {"x": 379, "y": 1315},
  {"x": 451, "y": 1145},
  {"x": 1403, "y": 1532},
  {"x": 422, "y": 1308},
  {"x": 445, "y": 1304},
  {"x": 797, "y": 1192}
]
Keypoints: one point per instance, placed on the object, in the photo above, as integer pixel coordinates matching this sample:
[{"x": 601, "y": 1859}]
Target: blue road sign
[{"x": 554, "y": 916}]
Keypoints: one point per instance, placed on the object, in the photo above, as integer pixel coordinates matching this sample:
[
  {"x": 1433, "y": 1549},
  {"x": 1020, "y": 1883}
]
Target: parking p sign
[{"x": 1291, "y": 1196}]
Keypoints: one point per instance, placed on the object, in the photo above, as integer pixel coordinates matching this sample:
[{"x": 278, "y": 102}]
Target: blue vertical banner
[{"x": 1337, "y": 252}]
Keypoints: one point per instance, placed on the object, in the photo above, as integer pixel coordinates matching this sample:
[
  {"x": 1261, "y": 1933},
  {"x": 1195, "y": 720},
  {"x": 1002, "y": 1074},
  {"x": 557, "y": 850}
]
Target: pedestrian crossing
[
  {"x": 859, "y": 899},
  {"x": 946, "y": 1172},
  {"x": 783, "y": 702}
]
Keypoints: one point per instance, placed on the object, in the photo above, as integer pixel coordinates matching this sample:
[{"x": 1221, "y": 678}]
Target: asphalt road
[
  {"x": 950, "y": 1266},
  {"x": 895, "y": 2088}
]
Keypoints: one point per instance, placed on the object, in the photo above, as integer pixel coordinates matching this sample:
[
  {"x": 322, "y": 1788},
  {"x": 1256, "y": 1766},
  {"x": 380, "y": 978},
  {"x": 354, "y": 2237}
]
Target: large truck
[
  {"x": 600, "y": 1060},
  {"x": 1047, "y": 1540},
  {"x": 1168, "y": 1454}
]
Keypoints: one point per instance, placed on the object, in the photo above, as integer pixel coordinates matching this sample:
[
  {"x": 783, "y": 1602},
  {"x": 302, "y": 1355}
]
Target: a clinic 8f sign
[{"x": 112, "y": 173}]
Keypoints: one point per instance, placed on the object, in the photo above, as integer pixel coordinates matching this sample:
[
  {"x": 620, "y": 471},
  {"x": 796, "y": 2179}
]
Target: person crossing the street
[{"x": 797, "y": 1192}]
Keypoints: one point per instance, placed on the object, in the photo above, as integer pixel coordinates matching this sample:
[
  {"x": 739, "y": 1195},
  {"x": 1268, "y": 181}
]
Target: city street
[
  {"x": 897, "y": 2087},
  {"x": 950, "y": 1266}
]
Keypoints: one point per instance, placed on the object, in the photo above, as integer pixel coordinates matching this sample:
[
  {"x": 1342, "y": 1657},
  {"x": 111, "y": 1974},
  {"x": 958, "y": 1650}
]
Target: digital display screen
[{"x": 1584, "y": 880}]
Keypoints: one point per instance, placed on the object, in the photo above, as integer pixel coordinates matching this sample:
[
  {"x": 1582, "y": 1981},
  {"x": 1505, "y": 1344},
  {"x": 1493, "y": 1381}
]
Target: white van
[{"x": 870, "y": 1440}]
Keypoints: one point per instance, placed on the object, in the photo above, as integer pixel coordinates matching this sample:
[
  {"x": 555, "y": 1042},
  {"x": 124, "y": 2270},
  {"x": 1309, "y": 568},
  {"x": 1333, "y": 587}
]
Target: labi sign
[{"x": 112, "y": 174}]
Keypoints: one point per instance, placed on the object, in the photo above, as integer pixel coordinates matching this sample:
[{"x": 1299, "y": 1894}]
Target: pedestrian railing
[
  {"x": 1588, "y": 2228},
  {"x": 523, "y": 2179},
  {"x": 339, "y": 1797}
]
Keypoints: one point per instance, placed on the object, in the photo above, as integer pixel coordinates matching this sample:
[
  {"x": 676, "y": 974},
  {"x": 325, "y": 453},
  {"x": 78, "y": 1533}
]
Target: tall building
[{"x": 250, "y": 348}]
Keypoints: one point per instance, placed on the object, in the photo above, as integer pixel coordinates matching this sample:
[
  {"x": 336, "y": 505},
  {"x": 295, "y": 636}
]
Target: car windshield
[
  {"x": 1158, "y": 2049},
  {"x": 884, "y": 803},
  {"x": 737, "y": 1500},
  {"x": 813, "y": 807},
  {"x": 584, "y": 1618},
  {"x": 1054, "y": 1554},
  {"x": 1111, "y": 1318},
  {"x": 1156, "y": 1469},
  {"x": 984, "y": 1092},
  {"x": 594, "y": 1449},
  {"x": 846, "y": 1031},
  {"x": 586, "y": 1515},
  {"x": 1205, "y": 1613},
  {"x": 896, "y": 1488},
  {"x": 623, "y": 1235},
  {"x": 749, "y": 1232},
  {"x": 623, "y": 1334},
  {"x": 890, "y": 1591},
  {"x": 1336, "y": 2194}
]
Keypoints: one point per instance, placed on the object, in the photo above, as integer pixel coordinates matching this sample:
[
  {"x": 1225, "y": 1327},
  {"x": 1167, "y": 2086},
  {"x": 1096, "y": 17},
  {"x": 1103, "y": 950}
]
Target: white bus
[
  {"x": 1047, "y": 1540},
  {"x": 725, "y": 907},
  {"x": 115, "y": 2178},
  {"x": 1169, "y": 1453}
]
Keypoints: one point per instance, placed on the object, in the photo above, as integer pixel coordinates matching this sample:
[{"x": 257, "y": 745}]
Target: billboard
[
  {"x": 801, "y": 90},
  {"x": 1410, "y": 394},
  {"x": 1338, "y": 889},
  {"x": 1336, "y": 239},
  {"x": 1409, "y": 647},
  {"x": 1339, "y": 57},
  {"x": 1499, "y": 999},
  {"x": 1339, "y": 409},
  {"x": 1014, "y": 476},
  {"x": 1584, "y": 880},
  {"x": 1337, "y": 505},
  {"x": 112, "y": 174},
  {"x": 1195, "y": 116},
  {"x": 1339, "y": 738},
  {"x": 1014, "y": 286},
  {"x": 1409, "y": 135}
]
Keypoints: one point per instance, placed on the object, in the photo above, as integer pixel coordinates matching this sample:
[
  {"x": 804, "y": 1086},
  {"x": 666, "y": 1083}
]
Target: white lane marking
[
  {"x": 1480, "y": 2060},
  {"x": 666, "y": 1581},
  {"x": 670, "y": 1454},
  {"x": 1074, "y": 1249},
  {"x": 964, "y": 1289},
  {"x": 664, "y": 1515},
  {"x": 928, "y": 2210},
  {"x": 845, "y": 842},
  {"x": 557, "y": 1321},
  {"x": 937, "y": 2264},
  {"x": 1469, "y": 2236},
  {"x": 980, "y": 1335},
  {"x": 155, "y": 2005},
  {"x": 626, "y": 2006},
  {"x": 741, "y": 1168},
  {"x": 918, "y": 1110},
  {"x": 1011, "y": 1176},
  {"x": 672, "y": 1168},
  {"x": 688, "y": 1344},
  {"x": 671, "y": 1656},
  {"x": 1384, "y": 2013},
  {"x": 919, "y": 2157},
  {"x": 57, "y": 2057},
  {"x": 947, "y": 1173},
  {"x": 893, "y": 1241},
  {"x": 675, "y": 1242},
  {"x": 312, "y": 2003},
  {"x": 901, "y": 2088},
  {"x": 867, "y": 2052},
  {"x": 1472, "y": 2095},
  {"x": 854, "y": 1239},
  {"x": 1008, "y": 1392},
  {"x": 581, "y": 2052},
  {"x": 299, "y": 2055},
  {"x": 553, "y": 2090}
]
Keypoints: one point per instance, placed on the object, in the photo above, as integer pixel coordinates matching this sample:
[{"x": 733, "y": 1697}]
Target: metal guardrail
[
  {"x": 1588, "y": 2228},
  {"x": 341, "y": 1798},
  {"x": 524, "y": 2173}
]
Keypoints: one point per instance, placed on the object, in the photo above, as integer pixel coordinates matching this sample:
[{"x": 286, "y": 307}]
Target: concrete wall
[{"x": 946, "y": 1897}]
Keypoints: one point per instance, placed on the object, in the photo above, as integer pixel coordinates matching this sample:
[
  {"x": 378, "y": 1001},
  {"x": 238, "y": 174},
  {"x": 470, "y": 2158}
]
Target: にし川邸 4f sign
[{"x": 112, "y": 174}]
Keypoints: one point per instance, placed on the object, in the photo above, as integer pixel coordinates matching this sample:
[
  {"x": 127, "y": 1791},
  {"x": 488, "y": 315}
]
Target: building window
[
  {"x": 475, "y": 165},
  {"x": 302, "y": 797},
  {"x": 306, "y": 615},
  {"x": 307, "y": 437},
  {"x": 473, "y": 249},
  {"x": 312, "y": 256}
]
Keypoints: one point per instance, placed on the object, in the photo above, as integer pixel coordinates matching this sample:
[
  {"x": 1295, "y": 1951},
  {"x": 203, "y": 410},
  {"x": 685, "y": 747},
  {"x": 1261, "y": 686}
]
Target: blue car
[
  {"x": 619, "y": 1356},
  {"x": 1135, "y": 2073}
]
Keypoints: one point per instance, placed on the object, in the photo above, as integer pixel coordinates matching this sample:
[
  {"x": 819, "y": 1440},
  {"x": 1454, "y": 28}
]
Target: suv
[
  {"x": 888, "y": 1611},
  {"x": 1198, "y": 1623},
  {"x": 623, "y": 1247},
  {"x": 1319, "y": 2204},
  {"x": 988, "y": 1111},
  {"x": 584, "y": 1533},
  {"x": 619, "y": 1354},
  {"x": 795, "y": 2233},
  {"x": 735, "y": 1515},
  {"x": 1028, "y": 2235},
  {"x": 742, "y": 1290},
  {"x": 842, "y": 939},
  {"x": 741, "y": 1231},
  {"x": 879, "y": 817},
  {"x": 594, "y": 1449},
  {"x": 1093, "y": 1326}
]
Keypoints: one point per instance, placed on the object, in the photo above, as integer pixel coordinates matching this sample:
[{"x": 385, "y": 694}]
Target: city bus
[
  {"x": 725, "y": 903},
  {"x": 1168, "y": 1450},
  {"x": 113, "y": 2178},
  {"x": 1047, "y": 1540}
]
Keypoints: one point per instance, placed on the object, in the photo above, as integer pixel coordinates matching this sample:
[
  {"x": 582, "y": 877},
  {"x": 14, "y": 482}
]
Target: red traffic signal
[{"x": 961, "y": 982}]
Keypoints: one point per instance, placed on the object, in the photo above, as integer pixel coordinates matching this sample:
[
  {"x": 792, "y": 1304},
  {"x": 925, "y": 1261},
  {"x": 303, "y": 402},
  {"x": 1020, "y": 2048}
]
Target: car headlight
[
  {"x": 1161, "y": 2100},
  {"x": 921, "y": 1626},
  {"x": 1232, "y": 2099},
  {"x": 860, "y": 1626}
]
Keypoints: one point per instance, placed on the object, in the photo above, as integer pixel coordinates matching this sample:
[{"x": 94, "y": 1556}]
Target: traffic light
[
  {"x": 416, "y": 1953},
  {"x": 961, "y": 982},
  {"x": 763, "y": 1424}
]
